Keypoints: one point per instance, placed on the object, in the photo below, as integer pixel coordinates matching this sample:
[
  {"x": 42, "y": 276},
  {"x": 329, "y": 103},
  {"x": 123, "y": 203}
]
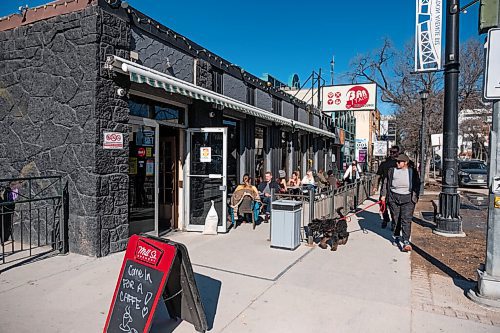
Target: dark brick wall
[
  {"x": 235, "y": 88},
  {"x": 303, "y": 116},
  {"x": 263, "y": 100},
  {"x": 287, "y": 110},
  {"x": 161, "y": 57}
]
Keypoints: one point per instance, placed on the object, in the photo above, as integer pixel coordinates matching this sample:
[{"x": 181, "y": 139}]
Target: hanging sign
[
  {"x": 428, "y": 28},
  {"x": 380, "y": 148},
  {"x": 205, "y": 154},
  {"x": 112, "y": 140}
]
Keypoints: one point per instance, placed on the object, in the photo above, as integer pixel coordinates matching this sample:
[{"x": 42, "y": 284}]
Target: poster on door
[
  {"x": 205, "y": 154},
  {"x": 150, "y": 168}
]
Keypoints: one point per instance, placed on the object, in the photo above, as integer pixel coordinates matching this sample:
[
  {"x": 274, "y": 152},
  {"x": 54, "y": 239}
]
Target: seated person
[
  {"x": 243, "y": 190},
  {"x": 265, "y": 191},
  {"x": 294, "y": 180},
  {"x": 321, "y": 180},
  {"x": 332, "y": 180},
  {"x": 308, "y": 182},
  {"x": 282, "y": 181}
]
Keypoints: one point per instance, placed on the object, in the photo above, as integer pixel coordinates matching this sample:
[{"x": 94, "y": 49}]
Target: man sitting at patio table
[{"x": 265, "y": 191}]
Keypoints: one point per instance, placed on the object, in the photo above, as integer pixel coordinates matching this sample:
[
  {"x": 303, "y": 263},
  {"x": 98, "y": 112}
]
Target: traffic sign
[{"x": 492, "y": 69}]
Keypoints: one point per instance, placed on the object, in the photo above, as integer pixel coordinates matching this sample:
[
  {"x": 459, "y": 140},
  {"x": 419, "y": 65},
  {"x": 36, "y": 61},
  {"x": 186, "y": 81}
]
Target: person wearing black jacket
[
  {"x": 400, "y": 191},
  {"x": 264, "y": 189},
  {"x": 382, "y": 171}
]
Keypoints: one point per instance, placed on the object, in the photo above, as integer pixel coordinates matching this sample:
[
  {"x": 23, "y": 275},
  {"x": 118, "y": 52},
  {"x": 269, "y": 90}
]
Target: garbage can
[{"x": 285, "y": 224}]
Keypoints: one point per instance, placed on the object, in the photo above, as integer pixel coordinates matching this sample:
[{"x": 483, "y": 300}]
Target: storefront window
[
  {"x": 233, "y": 145},
  {"x": 147, "y": 108}
]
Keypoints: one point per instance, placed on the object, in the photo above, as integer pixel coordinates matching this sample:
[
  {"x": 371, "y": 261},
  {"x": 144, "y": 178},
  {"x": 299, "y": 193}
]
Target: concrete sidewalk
[{"x": 246, "y": 286}]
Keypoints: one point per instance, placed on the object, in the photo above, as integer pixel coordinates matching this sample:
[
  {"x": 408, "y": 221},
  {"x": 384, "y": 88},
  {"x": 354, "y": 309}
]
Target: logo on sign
[
  {"x": 148, "y": 253},
  {"x": 141, "y": 152},
  {"x": 112, "y": 140},
  {"x": 330, "y": 101},
  {"x": 338, "y": 94},
  {"x": 357, "y": 97},
  {"x": 330, "y": 94}
]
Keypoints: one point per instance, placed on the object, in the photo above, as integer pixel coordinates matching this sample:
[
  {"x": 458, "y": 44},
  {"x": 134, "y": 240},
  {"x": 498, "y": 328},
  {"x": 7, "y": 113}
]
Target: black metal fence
[
  {"x": 33, "y": 216},
  {"x": 323, "y": 204}
]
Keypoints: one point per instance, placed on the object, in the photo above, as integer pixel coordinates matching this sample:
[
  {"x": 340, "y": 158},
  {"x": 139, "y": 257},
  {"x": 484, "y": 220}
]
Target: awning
[{"x": 142, "y": 74}]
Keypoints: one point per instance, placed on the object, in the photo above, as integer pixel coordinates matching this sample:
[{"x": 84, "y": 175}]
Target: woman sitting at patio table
[
  {"x": 308, "y": 182},
  {"x": 294, "y": 180}
]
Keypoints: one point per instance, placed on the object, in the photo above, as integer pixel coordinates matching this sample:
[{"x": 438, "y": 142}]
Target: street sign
[{"x": 492, "y": 68}]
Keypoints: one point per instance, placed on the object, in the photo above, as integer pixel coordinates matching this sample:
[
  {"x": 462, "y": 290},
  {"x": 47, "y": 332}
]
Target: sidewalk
[{"x": 246, "y": 286}]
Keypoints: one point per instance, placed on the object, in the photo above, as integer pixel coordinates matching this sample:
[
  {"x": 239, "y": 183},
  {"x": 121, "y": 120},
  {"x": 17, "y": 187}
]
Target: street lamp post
[
  {"x": 449, "y": 222},
  {"x": 424, "y": 94}
]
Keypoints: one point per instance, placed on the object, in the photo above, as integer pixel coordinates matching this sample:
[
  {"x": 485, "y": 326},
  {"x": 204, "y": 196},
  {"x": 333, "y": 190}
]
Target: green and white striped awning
[{"x": 142, "y": 74}]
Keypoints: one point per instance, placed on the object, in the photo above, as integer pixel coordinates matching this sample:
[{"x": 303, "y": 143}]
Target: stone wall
[
  {"x": 47, "y": 96},
  {"x": 111, "y": 114}
]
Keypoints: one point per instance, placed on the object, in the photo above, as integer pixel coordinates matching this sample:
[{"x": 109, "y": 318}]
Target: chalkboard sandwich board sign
[{"x": 154, "y": 270}]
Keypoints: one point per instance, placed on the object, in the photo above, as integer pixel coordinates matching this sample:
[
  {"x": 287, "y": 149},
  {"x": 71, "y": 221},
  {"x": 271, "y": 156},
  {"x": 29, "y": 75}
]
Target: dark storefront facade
[{"x": 192, "y": 123}]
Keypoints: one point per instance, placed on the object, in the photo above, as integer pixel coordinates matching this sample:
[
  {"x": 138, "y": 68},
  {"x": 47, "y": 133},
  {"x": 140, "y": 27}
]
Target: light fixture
[
  {"x": 424, "y": 94},
  {"x": 211, "y": 114}
]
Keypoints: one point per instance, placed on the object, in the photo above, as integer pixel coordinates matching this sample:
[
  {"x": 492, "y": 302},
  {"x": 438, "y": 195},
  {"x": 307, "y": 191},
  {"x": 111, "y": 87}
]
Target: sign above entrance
[
  {"x": 112, "y": 140},
  {"x": 205, "y": 154}
]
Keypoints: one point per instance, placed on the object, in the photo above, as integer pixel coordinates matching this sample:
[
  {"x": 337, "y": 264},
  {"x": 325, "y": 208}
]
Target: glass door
[
  {"x": 143, "y": 178},
  {"x": 206, "y": 177}
]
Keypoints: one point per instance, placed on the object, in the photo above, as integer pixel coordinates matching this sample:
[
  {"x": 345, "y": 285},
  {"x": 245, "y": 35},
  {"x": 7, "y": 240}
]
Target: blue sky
[{"x": 282, "y": 38}]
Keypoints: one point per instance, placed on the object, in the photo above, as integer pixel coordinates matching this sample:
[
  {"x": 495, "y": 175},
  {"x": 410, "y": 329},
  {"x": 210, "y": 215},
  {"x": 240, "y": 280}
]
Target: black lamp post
[
  {"x": 424, "y": 94},
  {"x": 448, "y": 219}
]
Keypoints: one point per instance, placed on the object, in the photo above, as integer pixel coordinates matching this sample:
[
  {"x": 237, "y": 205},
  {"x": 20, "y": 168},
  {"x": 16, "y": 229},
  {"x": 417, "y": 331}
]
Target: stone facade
[{"x": 55, "y": 101}]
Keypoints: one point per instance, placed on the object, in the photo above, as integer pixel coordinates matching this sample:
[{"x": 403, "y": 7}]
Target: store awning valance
[{"x": 142, "y": 74}]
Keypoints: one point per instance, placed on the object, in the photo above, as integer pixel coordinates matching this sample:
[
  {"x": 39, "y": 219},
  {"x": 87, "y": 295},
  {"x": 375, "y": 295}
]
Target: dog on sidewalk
[{"x": 329, "y": 231}]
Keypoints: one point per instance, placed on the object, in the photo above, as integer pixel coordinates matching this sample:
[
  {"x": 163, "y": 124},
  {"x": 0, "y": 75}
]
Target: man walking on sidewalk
[
  {"x": 382, "y": 171},
  {"x": 400, "y": 190}
]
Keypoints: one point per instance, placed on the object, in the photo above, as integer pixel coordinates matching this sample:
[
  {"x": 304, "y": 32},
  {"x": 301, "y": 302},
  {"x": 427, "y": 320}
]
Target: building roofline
[{"x": 43, "y": 12}]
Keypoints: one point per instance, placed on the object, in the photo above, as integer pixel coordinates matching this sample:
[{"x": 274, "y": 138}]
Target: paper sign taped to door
[{"x": 205, "y": 154}]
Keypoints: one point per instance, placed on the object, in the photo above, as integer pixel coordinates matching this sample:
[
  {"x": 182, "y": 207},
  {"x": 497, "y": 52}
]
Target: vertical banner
[{"x": 428, "y": 28}]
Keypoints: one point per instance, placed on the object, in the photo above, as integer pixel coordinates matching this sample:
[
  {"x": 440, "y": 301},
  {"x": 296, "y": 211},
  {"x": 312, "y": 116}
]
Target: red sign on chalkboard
[{"x": 143, "y": 276}]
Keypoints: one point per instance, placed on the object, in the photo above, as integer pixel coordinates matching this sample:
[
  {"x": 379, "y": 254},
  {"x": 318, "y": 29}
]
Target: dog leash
[{"x": 382, "y": 209}]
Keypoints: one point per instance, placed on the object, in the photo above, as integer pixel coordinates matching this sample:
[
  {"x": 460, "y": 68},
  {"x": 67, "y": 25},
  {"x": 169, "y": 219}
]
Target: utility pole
[
  {"x": 424, "y": 94},
  {"x": 449, "y": 222},
  {"x": 488, "y": 284},
  {"x": 332, "y": 67}
]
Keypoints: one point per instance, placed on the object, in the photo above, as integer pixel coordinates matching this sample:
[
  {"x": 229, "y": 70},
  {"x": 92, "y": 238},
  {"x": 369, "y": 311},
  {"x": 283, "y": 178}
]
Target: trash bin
[{"x": 285, "y": 224}]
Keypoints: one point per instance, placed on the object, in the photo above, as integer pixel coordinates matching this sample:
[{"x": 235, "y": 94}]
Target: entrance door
[
  {"x": 206, "y": 177},
  {"x": 167, "y": 187}
]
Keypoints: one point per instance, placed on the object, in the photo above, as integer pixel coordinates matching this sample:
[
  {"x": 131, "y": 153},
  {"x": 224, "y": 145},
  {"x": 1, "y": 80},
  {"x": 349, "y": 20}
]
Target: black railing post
[{"x": 65, "y": 220}]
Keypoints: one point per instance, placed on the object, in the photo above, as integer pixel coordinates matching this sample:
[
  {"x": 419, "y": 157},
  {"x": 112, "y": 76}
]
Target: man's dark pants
[{"x": 402, "y": 209}]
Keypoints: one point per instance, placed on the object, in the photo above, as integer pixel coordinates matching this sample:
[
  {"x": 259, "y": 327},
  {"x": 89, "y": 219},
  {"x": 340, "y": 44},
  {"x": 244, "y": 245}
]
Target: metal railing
[
  {"x": 323, "y": 204},
  {"x": 33, "y": 215}
]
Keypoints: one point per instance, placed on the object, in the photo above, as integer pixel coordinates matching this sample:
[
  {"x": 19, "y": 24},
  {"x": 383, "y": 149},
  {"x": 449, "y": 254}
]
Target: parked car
[{"x": 472, "y": 172}]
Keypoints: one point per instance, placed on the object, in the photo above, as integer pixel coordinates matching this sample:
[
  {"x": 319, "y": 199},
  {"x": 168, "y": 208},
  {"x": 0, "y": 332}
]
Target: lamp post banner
[{"x": 428, "y": 28}]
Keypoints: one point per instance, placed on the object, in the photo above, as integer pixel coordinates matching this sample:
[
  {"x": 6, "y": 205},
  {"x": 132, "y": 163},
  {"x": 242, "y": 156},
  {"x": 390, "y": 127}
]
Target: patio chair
[{"x": 246, "y": 207}]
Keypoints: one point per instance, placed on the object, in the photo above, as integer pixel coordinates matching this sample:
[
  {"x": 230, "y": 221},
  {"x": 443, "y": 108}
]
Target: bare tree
[{"x": 392, "y": 71}]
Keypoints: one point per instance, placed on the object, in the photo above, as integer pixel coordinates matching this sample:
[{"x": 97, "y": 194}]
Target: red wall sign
[
  {"x": 141, "y": 152},
  {"x": 142, "y": 278}
]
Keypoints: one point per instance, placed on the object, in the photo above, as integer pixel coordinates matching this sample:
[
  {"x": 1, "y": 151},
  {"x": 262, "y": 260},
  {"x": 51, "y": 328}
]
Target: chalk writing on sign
[{"x": 139, "y": 286}]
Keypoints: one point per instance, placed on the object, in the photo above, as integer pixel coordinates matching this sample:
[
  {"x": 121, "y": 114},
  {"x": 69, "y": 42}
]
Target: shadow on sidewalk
[
  {"x": 372, "y": 222},
  {"x": 209, "y": 290}
]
